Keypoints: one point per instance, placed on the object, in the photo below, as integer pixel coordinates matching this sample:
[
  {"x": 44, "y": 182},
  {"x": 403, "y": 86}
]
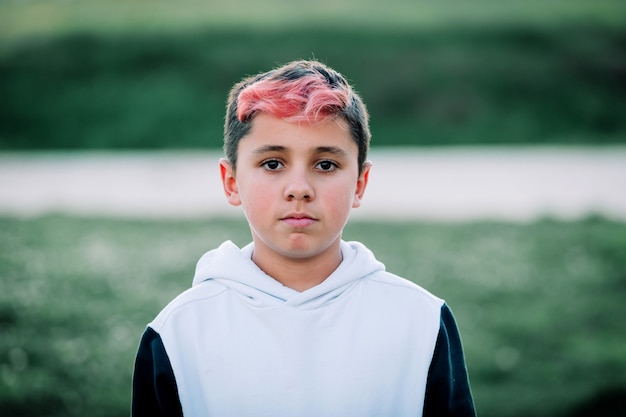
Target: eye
[
  {"x": 272, "y": 165},
  {"x": 326, "y": 166}
]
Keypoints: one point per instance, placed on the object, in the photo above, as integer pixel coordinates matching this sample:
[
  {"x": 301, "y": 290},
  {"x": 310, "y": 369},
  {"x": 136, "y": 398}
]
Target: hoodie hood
[{"x": 233, "y": 267}]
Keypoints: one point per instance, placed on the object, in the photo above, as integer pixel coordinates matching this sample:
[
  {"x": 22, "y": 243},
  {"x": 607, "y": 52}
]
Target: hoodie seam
[
  {"x": 344, "y": 293},
  {"x": 177, "y": 307},
  {"x": 408, "y": 285}
]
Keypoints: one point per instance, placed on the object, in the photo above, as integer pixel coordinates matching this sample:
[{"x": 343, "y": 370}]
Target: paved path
[{"x": 457, "y": 184}]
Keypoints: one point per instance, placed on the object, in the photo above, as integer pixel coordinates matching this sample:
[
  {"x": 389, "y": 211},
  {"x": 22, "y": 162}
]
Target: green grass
[{"x": 540, "y": 306}]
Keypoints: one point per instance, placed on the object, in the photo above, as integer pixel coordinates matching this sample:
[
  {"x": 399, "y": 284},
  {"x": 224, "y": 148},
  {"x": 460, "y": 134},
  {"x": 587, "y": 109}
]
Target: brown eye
[
  {"x": 326, "y": 166},
  {"x": 272, "y": 165}
]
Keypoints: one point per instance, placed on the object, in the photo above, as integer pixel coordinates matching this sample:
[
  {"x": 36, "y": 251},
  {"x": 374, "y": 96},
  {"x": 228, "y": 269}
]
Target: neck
[{"x": 299, "y": 274}]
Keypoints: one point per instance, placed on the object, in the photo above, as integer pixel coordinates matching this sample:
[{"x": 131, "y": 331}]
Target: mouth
[{"x": 298, "y": 221}]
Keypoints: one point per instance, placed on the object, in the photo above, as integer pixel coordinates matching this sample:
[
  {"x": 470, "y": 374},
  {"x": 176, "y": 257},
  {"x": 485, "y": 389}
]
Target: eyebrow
[
  {"x": 269, "y": 148},
  {"x": 334, "y": 150}
]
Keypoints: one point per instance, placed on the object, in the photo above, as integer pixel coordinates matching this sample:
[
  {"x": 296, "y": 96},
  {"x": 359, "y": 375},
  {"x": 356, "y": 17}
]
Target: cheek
[
  {"x": 340, "y": 202},
  {"x": 258, "y": 196}
]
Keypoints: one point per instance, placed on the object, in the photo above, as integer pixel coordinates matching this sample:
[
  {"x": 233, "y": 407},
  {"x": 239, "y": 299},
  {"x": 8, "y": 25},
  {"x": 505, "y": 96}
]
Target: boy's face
[{"x": 296, "y": 184}]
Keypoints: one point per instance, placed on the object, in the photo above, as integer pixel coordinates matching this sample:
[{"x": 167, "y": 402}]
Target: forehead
[{"x": 269, "y": 131}]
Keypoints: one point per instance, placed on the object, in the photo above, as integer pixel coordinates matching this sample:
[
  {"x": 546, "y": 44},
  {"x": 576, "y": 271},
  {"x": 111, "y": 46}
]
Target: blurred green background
[
  {"x": 540, "y": 305},
  {"x": 154, "y": 74}
]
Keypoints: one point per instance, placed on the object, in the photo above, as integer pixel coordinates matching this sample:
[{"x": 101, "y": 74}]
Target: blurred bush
[{"x": 511, "y": 83}]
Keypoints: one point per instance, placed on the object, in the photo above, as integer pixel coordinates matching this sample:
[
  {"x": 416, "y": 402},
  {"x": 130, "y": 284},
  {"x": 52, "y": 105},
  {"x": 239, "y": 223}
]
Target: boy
[{"x": 299, "y": 322}]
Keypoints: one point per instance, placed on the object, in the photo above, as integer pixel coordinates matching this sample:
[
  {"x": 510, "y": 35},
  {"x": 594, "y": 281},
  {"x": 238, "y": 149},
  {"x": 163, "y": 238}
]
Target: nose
[{"x": 298, "y": 186}]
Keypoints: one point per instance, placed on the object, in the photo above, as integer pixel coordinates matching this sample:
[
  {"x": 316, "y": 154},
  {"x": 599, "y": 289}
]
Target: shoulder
[
  {"x": 375, "y": 277},
  {"x": 402, "y": 287},
  {"x": 392, "y": 296},
  {"x": 188, "y": 304}
]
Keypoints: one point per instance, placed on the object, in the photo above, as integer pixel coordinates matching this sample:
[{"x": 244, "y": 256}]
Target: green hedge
[{"x": 440, "y": 86}]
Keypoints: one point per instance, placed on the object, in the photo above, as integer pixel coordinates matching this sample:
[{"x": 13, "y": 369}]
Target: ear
[
  {"x": 227, "y": 173},
  {"x": 361, "y": 184}
]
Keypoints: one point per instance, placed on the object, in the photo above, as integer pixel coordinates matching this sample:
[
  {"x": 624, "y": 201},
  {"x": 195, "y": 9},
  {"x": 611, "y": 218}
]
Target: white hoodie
[{"x": 239, "y": 343}]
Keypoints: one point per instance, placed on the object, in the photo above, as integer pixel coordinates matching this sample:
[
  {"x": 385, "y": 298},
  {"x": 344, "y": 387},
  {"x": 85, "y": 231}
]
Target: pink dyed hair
[
  {"x": 306, "y": 99},
  {"x": 301, "y": 91}
]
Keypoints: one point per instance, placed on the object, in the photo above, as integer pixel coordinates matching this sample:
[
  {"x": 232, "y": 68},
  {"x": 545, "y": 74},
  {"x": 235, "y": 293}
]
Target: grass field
[
  {"x": 143, "y": 74},
  {"x": 540, "y": 306}
]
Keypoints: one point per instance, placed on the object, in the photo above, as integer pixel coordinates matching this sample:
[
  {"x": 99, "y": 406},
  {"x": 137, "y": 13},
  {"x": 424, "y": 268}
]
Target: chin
[{"x": 304, "y": 248}]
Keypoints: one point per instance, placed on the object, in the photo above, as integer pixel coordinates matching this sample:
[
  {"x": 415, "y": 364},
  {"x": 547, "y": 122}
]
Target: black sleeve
[
  {"x": 154, "y": 385},
  {"x": 447, "y": 388}
]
